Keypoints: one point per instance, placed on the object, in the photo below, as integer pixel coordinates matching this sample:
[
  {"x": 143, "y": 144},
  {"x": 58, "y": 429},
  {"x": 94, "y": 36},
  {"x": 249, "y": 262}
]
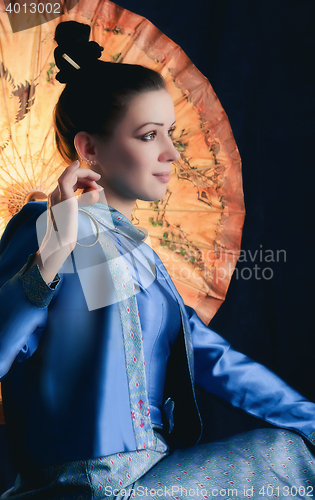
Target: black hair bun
[{"x": 73, "y": 41}]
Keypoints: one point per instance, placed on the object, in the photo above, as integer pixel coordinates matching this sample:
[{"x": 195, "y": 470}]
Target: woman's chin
[{"x": 155, "y": 195}]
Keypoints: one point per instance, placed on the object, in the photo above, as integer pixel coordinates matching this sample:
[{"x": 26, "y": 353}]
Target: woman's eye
[
  {"x": 152, "y": 135},
  {"x": 149, "y": 137}
]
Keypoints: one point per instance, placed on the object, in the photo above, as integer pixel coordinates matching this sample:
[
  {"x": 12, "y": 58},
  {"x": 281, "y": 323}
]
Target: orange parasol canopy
[{"x": 196, "y": 228}]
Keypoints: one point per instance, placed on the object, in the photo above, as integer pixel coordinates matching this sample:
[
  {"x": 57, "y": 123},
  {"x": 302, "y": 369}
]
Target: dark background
[{"x": 259, "y": 58}]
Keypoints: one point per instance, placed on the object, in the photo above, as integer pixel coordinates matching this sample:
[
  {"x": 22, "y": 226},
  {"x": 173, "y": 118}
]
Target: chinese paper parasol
[{"x": 196, "y": 228}]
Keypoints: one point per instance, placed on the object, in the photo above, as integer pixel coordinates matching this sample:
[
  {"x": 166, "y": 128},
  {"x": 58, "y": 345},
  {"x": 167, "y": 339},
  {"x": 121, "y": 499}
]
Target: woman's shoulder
[
  {"x": 25, "y": 218},
  {"x": 19, "y": 240}
]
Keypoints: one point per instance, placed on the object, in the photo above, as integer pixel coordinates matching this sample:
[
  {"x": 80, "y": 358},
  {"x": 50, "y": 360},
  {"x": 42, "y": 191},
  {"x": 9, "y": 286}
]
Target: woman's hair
[{"x": 97, "y": 95}]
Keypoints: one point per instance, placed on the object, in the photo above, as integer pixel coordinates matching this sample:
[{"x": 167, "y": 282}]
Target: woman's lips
[{"x": 163, "y": 176}]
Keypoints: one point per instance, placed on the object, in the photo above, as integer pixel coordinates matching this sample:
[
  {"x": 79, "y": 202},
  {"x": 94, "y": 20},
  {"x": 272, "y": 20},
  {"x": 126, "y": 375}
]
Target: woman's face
[{"x": 141, "y": 150}]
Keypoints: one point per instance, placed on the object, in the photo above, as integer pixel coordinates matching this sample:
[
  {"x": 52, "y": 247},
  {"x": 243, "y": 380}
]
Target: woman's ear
[{"x": 85, "y": 145}]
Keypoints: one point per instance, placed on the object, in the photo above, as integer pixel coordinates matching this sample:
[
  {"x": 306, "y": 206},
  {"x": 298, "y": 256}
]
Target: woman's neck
[{"x": 125, "y": 207}]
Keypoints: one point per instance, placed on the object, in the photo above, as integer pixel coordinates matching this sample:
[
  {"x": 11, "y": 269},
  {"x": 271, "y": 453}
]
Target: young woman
[{"x": 98, "y": 353}]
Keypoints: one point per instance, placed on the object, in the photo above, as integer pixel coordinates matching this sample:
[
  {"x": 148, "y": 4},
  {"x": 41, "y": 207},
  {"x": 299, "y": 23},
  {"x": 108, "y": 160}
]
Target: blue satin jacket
[{"x": 62, "y": 367}]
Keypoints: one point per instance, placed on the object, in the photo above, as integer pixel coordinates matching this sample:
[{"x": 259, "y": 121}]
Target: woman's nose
[{"x": 169, "y": 152}]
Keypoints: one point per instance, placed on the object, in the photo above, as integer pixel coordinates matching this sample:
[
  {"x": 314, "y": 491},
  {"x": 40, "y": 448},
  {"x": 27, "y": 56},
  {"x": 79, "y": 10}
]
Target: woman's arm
[
  {"x": 28, "y": 279},
  {"x": 23, "y": 300},
  {"x": 246, "y": 384}
]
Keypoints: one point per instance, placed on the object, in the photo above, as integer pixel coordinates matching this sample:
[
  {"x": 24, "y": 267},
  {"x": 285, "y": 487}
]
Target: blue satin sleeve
[
  {"x": 22, "y": 322},
  {"x": 246, "y": 384}
]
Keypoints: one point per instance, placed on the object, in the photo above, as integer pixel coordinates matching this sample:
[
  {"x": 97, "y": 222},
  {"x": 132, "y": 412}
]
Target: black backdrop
[{"x": 259, "y": 58}]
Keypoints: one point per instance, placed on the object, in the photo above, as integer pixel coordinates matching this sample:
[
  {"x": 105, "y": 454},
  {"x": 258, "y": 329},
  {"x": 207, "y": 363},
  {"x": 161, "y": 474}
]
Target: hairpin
[{"x": 70, "y": 61}]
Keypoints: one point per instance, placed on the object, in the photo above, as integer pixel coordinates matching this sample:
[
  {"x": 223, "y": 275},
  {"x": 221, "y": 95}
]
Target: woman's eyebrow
[{"x": 151, "y": 123}]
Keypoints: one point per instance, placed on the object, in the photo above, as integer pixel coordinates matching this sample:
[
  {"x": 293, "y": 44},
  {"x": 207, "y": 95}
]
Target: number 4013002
[
  {"x": 34, "y": 8},
  {"x": 292, "y": 491}
]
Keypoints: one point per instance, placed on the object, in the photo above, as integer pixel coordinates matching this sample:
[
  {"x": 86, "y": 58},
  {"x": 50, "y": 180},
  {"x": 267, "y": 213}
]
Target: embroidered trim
[
  {"x": 35, "y": 287},
  {"x": 311, "y": 437},
  {"x": 130, "y": 321}
]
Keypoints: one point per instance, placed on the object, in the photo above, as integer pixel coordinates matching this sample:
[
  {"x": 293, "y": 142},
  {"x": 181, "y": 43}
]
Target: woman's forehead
[{"x": 153, "y": 106}]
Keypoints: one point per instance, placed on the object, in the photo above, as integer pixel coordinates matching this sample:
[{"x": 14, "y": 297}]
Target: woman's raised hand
[
  {"x": 74, "y": 178},
  {"x": 62, "y": 217}
]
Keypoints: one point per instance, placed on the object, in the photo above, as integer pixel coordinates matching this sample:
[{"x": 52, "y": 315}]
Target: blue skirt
[{"x": 261, "y": 464}]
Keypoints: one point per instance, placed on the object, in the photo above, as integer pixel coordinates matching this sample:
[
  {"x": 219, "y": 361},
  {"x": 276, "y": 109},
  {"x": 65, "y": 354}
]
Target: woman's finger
[
  {"x": 68, "y": 181},
  {"x": 90, "y": 195},
  {"x": 86, "y": 183}
]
